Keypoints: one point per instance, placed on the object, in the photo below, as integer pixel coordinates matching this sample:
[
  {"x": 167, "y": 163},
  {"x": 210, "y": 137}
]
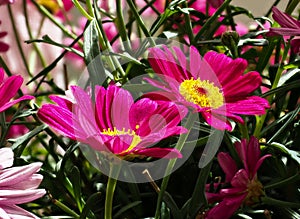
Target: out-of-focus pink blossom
[
  {"x": 18, "y": 185},
  {"x": 4, "y": 2}
]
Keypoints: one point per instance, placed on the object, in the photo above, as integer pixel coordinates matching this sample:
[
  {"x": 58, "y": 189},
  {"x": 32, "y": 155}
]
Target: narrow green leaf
[
  {"x": 74, "y": 177},
  {"x": 126, "y": 208},
  {"x": 92, "y": 54}
]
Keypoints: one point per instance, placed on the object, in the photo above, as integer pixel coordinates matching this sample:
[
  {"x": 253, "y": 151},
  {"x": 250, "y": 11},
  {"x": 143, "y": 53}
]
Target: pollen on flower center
[
  {"x": 115, "y": 132},
  {"x": 51, "y": 5},
  {"x": 255, "y": 190},
  {"x": 203, "y": 93}
]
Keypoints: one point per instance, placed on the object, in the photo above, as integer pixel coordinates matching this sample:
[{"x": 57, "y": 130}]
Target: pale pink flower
[{"x": 18, "y": 185}]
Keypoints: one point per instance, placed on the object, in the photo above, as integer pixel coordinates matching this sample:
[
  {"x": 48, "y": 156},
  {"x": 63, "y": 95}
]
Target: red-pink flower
[
  {"x": 215, "y": 86},
  {"x": 18, "y": 185},
  {"x": 115, "y": 123},
  {"x": 3, "y": 46},
  {"x": 244, "y": 185},
  {"x": 8, "y": 89},
  {"x": 289, "y": 27}
]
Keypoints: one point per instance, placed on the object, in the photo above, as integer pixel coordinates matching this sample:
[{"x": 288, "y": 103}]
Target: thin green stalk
[
  {"x": 140, "y": 22},
  {"x": 212, "y": 19},
  {"x": 89, "y": 5},
  {"x": 36, "y": 48},
  {"x": 110, "y": 189},
  {"x": 82, "y": 10},
  {"x": 65, "y": 208},
  {"x": 18, "y": 39},
  {"x": 291, "y": 6},
  {"x": 261, "y": 119},
  {"x": 188, "y": 26},
  {"x": 121, "y": 26},
  {"x": 244, "y": 130},
  {"x": 55, "y": 21},
  {"x": 181, "y": 141}
]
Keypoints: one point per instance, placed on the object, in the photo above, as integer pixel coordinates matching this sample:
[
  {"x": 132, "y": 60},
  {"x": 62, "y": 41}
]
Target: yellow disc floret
[
  {"x": 203, "y": 93},
  {"x": 115, "y": 132}
]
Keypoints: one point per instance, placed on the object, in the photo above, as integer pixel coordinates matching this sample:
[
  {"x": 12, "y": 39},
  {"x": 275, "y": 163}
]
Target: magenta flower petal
[
  {"x": 160, "y": 153},
  {"x": 228, "y": 165},
  {"x": 11, "y": 103},
  {"x": 226, "y": 208},
  {"x": 10, "y": 88},
  {"x": 58, "y": 118}
]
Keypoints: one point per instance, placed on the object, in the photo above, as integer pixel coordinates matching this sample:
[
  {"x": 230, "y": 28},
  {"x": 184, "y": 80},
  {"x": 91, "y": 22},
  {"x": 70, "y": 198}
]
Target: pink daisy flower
[
  {"x": 115, "y": 123},
  {"x": 18, "y": 185},
  {"x": 8, "y": 89},
  {"x": 215, "y": 85},
  {"x": 244, "y": 188}
]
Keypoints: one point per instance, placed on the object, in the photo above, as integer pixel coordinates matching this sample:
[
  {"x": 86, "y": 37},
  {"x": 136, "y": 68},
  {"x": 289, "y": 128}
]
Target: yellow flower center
[
  {"x": 51, "y": 5},
  {"x": 255, "y": 191},
  {"x": 115, "y": 132},
  {"x": 203, "y": 93}
]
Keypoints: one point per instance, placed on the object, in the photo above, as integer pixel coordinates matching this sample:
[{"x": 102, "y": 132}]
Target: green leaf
[
  {"x": 295, "y": 155},
  {"x": 92, "y": 54},
  {"x": 198, "y": 198},
  {"x": 93, "y": 202},
  {"x": 74, "y": 177},
  {"x": 126, "y": 208},
  {"x": 25, "y": 138}
]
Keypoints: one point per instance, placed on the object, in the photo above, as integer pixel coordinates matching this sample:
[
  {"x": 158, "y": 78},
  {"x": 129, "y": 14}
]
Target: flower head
[
  {"x": 115, "y": 123},
  {"x": 244, "y": 188},
  {"x": 215, "y": 86},
  {"x": 8, "y": 89},
  {"x": 18, "y": 185}
]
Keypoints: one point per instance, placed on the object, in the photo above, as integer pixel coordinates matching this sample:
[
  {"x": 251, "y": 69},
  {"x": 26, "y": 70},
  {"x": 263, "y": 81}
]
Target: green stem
[
  {"x": 261, "y": 119},
  {"x": 18, "y": 39},
  {"x": 121, "y": 26},
  {"x": 188, "y": 26},
  {"x": 140, "y": 22},
  {"x": 55, "y": 21},
  {"x": 291, "y": 6},
  {"x": 212, "y": 19},
  {"x": 110, "y": 189},
  {"x": 181, "y": 142},
  {"x": 244, "y": 130},
  {"x": 82, "y": 10},
  {"x": 42, "y": 59},
  {"x": 65, "y": 208}
]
